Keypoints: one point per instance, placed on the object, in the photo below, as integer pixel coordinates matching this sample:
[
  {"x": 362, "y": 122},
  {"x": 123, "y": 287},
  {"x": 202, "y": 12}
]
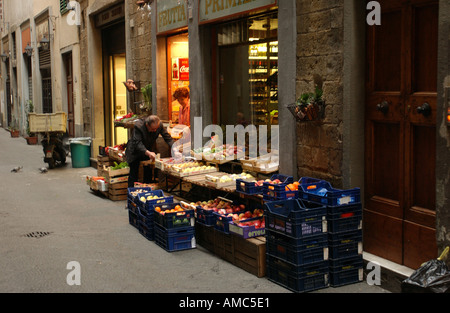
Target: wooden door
[
  {"x": 70, "y": 109},
  {"x": 399, "y": 216}
]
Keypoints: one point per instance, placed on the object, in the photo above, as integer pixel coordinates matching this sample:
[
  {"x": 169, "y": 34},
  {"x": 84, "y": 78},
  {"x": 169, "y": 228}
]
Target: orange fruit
[
  {"x": 290, "y": 187},
  {"x": 158, "y": 209}
]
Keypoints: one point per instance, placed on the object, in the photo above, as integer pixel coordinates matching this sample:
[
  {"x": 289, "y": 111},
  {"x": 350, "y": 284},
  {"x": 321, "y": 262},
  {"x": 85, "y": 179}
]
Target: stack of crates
[
  {"x": 344, "y": 216},
  {"x": 141, "y": 213},
  {"x": 174, "y": 230},
  {"x": 132, "y": 204},
  {"x": 297, "y": 244}
]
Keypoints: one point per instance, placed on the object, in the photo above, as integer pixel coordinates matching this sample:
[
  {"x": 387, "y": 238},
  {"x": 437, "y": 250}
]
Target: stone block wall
[
  {"x": 320, "y": 62},
  {"x": 139, "y": 62},
  {"x": 84, "y": 63}
]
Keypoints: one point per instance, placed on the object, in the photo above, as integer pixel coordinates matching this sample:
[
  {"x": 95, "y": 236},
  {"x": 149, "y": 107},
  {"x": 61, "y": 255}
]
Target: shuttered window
[{"x": 63, "y": 6}]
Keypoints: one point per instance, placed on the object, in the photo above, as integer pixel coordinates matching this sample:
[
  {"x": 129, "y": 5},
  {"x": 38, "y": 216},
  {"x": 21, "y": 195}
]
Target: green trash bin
[{"x": 80, "y": 150}]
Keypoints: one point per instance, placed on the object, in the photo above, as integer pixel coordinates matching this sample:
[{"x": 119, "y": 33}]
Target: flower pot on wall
[
  {"x": 32, "y": 140},
  {"x": 311, "y": 112},
  {"x": 15, "y": 133}
]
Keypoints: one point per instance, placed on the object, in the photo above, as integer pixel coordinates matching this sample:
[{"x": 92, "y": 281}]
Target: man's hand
[{"x": 150, "y": 154}]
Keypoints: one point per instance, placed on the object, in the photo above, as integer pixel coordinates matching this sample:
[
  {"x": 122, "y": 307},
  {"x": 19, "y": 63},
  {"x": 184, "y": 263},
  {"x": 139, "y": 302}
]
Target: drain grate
[{"x": 37, "y": 234}]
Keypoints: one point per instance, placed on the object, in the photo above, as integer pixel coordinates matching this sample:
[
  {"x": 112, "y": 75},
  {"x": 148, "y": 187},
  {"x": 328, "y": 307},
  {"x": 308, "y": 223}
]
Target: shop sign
[
  {"x": 184, "y": 68},
  {"x": 171, "y": 14},
  {"x": 110, "y": 15},
  {"x": 217, "y": 9}
]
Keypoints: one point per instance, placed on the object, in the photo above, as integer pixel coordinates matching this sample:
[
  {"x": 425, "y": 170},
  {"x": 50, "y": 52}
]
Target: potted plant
[
  {"x": 13, "y": 128},
  {"x": 309, "y": 106},
  {"x": 32, "y": 139},
  {"x": 147, "y": 94}
]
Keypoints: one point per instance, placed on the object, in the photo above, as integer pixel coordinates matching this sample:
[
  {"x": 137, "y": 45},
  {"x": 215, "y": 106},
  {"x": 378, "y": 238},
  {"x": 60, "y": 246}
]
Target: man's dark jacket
[{"x": 142, "y": 140}]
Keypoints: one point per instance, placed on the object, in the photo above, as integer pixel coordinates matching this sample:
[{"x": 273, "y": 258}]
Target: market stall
[{"x": 303, "y": 235}]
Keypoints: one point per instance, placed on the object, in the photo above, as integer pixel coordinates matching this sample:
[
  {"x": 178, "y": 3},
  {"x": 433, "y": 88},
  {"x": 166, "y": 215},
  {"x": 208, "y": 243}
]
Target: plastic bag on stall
[
  {"x": 431, "y": 277},
  {"x": 182, "y": 147}
]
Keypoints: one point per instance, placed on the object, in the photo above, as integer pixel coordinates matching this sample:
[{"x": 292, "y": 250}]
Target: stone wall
[
  {"x": 139, "y": 62},
  {"x": 320, "y": 62},
  {"x": 84, "y": 63}
]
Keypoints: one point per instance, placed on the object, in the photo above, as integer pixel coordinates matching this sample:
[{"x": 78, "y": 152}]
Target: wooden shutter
[{"x": 63, "y": 6}]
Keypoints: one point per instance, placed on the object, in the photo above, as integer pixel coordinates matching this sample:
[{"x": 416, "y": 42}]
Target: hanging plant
[{"x": 309, "y": 106}]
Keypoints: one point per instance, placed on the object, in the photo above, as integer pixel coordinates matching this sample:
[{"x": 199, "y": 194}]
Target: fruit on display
[
  {"x": 257, "y": 223},
  {"x": 134, "y": 193},
  {"x": 221, "y": 206},
  {"x": 230, "y": 177},
  {"x": 177, "y": 208},
  {"x": 150, "y": 197},
  {"x": 292, "y": 187},
  {"x": 196, "y": 168},
  {"x": 237, "y": 218},
  {"x": 220, "y": 152}
]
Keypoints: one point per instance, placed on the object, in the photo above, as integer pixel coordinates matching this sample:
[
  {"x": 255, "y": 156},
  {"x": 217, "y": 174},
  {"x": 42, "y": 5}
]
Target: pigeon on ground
[{"x": 16, "y": 169}]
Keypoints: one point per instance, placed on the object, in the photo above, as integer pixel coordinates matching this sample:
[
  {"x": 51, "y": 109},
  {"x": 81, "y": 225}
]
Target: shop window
[
  {"x": 248, "y": 71},
  {"x": 178, "y": 71}
]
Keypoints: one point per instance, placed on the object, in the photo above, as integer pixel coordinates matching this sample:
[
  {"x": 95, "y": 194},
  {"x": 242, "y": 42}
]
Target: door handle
[
  {"x": 383, "y": 107},
  {"x": 424, "y": 109}
]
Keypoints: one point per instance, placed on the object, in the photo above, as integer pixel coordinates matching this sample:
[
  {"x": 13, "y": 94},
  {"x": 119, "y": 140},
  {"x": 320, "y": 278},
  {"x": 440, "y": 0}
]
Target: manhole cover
[{"x": 37, "y": 234}]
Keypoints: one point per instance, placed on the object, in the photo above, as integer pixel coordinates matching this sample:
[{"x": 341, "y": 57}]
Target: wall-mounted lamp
[
  {"x": 4, "y": 57},
  {"x": 45, "y": 43},
  {"x": 28, "y": 50}
]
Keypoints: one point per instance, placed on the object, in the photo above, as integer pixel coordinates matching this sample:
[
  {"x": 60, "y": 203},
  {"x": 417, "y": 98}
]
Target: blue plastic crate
[
  {"x": 322, "y": 192},
  {"x": 248, "y": 187},
  {"x": 298, "y": 251},
  {"x": 222, "y": 222},
  {"x": 301, "y": 278},
  {"x": 346, "y": 271},
  {"x": 285, "y": 180},
  {"x": 272, "y": 195},
  {"x": 175, "y": 239},
  {"x": 146, "y": 219},
  {"x": 296, "y": 218},
  {"x": 132, "y": 190},
  {"x": 174, "y": 219},
  {"x": 345, "y": 244},
  {"x": 147, "y": 231},
  {"x": 345, "y": 218},
  {"x": 133, "y": 219},
  {"x": 149, "y": 205},
  {"x": 206, "y": 217}
]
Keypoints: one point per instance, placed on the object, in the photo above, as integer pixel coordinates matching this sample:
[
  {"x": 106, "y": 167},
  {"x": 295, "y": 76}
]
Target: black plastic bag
[{"x": 432, "y": 277}]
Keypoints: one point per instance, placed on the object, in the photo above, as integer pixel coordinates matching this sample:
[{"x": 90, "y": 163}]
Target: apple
[{"x": 248, "y": 214}]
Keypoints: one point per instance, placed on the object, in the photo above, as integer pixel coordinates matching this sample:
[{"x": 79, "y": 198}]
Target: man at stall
[
  {"x": 142, "y": 144},
  {"x": 183, "y": 97}
]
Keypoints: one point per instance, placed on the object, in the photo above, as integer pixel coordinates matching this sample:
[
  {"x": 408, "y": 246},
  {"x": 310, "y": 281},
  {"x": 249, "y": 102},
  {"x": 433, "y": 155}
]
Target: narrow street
[{"x": 77, "y": 225}]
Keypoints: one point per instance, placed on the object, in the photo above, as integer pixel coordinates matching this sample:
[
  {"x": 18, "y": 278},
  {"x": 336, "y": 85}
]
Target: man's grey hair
[{"x": 149, "y": 120}]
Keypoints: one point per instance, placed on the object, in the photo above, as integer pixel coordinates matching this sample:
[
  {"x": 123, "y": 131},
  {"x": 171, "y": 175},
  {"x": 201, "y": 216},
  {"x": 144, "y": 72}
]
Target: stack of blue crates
[
  {"x": 297, "y": 245},
  {"x": 132, "y": 204},
  {"x": 146, "y": 211},
  {"x": 175, "y": 231},
  {"x": 344, "y": 216}
]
